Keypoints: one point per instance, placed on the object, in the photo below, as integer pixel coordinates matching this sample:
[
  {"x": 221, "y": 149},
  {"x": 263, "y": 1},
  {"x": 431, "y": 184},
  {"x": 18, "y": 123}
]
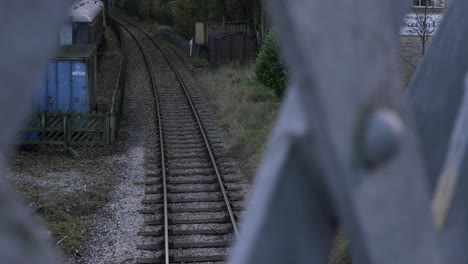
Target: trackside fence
[{"x": 81, "y": 129}]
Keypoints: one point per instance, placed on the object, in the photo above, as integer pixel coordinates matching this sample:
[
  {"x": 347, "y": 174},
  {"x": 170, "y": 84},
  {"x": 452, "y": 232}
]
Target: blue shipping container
[{"x": 70, "y": 82}]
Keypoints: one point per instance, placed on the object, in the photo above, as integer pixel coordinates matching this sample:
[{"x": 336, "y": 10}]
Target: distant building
[
  {"x": 411, "y": 41},
  {"x": 430, "y": 3},
  {"x": 429, "y": 11}
]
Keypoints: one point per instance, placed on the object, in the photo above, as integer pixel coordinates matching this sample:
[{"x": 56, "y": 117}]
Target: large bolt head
[{"x": 383, "y": 134}]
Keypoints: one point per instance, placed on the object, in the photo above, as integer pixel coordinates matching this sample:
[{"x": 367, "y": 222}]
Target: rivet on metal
[{"x": 383, "y": 133}]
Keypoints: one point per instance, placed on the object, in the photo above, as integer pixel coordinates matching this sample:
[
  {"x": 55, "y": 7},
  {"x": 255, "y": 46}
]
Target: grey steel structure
[
  {"x": 24, "y": 49},
  {"x": 436, "y": 95},
  {"x": 345, "y": 150}
]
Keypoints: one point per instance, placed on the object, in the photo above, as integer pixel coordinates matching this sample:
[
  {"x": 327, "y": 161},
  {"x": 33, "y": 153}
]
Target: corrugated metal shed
[
  {"x": 70, "y": 82},
  {"x": 204, "y": 29},
  {"x": 226, "y": 47}
]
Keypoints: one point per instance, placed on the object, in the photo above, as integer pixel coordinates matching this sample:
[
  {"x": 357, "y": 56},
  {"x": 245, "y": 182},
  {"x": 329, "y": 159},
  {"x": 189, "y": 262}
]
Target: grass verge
[
  {"x": 245, "y": 107},
  {"x": 248, "y": 110}
]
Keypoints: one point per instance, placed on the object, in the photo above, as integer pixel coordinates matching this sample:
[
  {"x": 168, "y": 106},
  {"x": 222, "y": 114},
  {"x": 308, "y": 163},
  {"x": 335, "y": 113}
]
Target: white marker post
[{"x": 191, "y": 46}]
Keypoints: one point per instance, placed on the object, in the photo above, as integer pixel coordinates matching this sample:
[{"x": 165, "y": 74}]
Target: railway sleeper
[
  {"x": 218, "y": 198},
  {"x": 185, "y": 245},
  {"x": 203, "y": 209},
  {"x": 186, "y": 145},
  {"x": 192, "y": 259},
  {"x": 192, "y": 155},
  {"x": 185, "y": 221},
  {"x": 185, "y": 140},
  {"x": 187, "y": 172},
  {"x": 183, "y": 232},
  {"x": 201, "y": 189},
  {"x": 174, "y": 165},
  {"x": 195, "y": 180}
]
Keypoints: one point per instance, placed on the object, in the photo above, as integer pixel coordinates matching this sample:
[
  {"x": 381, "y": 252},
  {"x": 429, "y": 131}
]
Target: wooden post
[
  {"x": 65, "y": 131},
  {"x": 43, "y": 128},
  {"x": 107, "y": 130},
  {"x": 112, "y": 130}
]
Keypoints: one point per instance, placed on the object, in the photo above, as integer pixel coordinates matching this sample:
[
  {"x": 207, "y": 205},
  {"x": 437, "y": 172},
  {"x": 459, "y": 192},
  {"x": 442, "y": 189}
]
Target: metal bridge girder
[
  {"x": 344, "y": 149},
  {"x": 436, "y": 95},
  {"x": 28, "y": 35}
]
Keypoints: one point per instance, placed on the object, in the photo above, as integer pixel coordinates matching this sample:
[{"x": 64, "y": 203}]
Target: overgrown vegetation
[
  {"x": 247, "y": 108},
  {"x": 269, "y": 70},
  {"x": 340, "y": 253},
  {"x": 66, "y": 192},
  {"x": 66, "y": 215}
]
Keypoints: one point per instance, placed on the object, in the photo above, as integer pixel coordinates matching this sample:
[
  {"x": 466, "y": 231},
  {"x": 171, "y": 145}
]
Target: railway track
[{"x": 188, "y": 196}]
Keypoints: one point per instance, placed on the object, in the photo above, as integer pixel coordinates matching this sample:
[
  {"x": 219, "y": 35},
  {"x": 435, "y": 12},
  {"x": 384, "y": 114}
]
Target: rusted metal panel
[{"x": 229, "y": 47}]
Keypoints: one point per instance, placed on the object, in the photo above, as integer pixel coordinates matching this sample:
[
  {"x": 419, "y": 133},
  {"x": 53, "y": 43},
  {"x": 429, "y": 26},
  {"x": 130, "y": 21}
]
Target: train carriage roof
[{"x": 86, "y": 10}]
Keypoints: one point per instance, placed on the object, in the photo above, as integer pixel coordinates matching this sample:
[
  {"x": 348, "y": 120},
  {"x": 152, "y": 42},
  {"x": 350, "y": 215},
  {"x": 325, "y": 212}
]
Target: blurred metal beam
[
  {"x": 436, "y": 94},
  {"x": 344, "y": 114},
  {"x": 437, "y": 88},
  {"x": 28, "y": 31}
]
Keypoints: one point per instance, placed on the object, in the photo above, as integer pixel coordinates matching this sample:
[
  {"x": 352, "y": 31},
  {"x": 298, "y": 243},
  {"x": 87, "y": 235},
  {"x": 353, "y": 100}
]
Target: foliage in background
[
  {"x": 159, "y": 10},
  {"x": 269, "y": 70},
  {"x": 184, "y": 13},
  {"x": 131, "y": 7},
  {"x": 187, "y": 12}
]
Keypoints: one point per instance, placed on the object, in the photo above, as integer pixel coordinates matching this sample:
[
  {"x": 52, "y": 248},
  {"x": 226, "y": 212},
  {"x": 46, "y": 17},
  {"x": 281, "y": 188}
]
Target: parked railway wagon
[
  {"x": 86, "y": 25},
  {"x": 70, "y": 83},
  {"x": 69, "y": 86}
]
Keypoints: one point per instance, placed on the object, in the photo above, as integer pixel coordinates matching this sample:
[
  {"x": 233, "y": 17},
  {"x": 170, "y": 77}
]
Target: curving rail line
[{"x": 161, "y": 134}]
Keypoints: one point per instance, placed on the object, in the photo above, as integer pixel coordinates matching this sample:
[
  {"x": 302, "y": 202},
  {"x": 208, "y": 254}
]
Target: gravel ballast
[{"x": 116, "y": 232}]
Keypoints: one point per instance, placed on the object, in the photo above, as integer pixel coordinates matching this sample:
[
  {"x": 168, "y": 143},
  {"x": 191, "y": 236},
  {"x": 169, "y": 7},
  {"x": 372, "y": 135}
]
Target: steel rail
[
  {"x": 200, "y": 125},
  {"x": 161, "y": 142}
]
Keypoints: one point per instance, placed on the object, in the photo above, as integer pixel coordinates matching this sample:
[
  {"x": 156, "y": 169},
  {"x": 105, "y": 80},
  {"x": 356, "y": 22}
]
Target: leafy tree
[{"x": 269, "y": 70}]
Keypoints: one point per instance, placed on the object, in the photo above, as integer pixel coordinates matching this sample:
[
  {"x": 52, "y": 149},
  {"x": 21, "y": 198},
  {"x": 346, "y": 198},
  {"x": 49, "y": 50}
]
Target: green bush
[{"x": 268, "y": 69}]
